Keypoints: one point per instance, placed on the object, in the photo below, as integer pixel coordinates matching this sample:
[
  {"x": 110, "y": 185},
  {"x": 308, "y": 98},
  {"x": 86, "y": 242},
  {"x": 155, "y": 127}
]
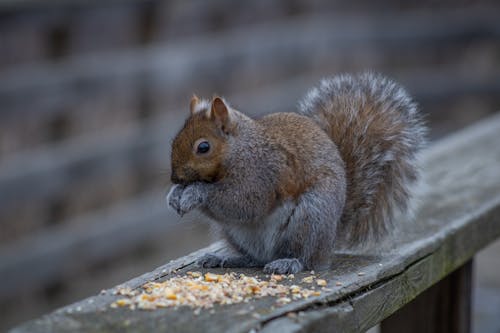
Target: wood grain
[{"x": 444, "y": 307}]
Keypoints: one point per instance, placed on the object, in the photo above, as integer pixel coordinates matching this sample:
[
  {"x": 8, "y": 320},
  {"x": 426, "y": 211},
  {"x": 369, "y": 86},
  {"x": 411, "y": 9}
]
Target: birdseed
[{"x": 197, "y": 290}]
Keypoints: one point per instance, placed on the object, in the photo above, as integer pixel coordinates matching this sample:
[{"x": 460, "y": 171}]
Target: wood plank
[
  {"x": 444, "y": 307},
  {"x": 458, "y": 215}
]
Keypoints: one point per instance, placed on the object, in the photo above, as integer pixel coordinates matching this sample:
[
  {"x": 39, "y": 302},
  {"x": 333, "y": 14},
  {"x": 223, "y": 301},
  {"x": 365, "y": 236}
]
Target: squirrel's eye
[{"x": 203, "y": 147}]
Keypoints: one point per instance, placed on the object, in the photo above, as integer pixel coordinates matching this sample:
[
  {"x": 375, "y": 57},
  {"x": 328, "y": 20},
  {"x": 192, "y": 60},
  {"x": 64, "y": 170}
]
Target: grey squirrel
[{"x": 287, "y": 189}]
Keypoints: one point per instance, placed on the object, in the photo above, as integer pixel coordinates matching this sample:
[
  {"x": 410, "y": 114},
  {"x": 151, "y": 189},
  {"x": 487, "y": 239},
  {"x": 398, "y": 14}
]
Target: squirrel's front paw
[
  {"x": 185, "y": 198},
  {"x": 210, "y": 261},
  {"x": 191, "y": 198},
  {"x": 174, "y": 198},
  {"x": 283, "y": 266}
]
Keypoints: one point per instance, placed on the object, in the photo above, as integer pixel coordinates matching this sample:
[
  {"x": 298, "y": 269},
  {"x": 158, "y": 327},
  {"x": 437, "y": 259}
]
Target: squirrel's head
[{"x": 199, "y": 148}]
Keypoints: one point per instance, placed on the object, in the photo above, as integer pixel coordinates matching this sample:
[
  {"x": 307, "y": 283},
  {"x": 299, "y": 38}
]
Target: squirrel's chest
[{"x": 261, "y": 240}]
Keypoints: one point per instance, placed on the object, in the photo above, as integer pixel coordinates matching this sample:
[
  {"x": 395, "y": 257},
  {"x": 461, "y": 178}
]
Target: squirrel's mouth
[
  {"x": 175, "y": 179},
  {"x": 185, "y": 176}
]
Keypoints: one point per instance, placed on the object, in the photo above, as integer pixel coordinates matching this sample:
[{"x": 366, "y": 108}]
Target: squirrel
[{"x": 287, "y": 189}]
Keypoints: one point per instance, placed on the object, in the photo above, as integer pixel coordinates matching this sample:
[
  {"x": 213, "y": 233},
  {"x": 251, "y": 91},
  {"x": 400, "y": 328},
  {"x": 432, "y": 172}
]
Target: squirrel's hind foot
[
  {"x": 284, "y": 266},
  {"x": 210, "y": 261}
]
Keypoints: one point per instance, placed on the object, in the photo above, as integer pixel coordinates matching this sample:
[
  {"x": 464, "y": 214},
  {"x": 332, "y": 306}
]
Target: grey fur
[
  {"x": 383, "y": 165},
  {"x": 287, "y": 235}
]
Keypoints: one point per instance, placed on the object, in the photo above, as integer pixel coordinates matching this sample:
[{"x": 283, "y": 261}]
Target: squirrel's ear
[
  {"x": 219, "y": 113},
  {"x": 192, "y": 105}
]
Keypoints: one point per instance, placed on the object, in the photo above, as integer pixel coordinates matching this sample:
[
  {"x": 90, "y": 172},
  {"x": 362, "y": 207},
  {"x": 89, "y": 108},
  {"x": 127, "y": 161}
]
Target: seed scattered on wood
[
  {"x": 284, "y": 300},
  {"x": 308, "y": 279},
  {"x": 209, "y": 277},
  {"x": 194, "y": 274},
  {"x": 121, "y": 302},
  {"x": 321, "y": 282},
  {"x": 203, "y": 291},
  {"x": 276, "y": 277}
]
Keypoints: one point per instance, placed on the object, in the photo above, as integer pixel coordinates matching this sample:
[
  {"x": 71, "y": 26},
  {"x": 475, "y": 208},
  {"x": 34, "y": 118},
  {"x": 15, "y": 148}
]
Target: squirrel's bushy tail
[{"x": 378, "y": 131}]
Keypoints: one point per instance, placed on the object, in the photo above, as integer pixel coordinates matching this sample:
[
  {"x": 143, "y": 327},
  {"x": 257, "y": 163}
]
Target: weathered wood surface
[
  {"x": 444, "y": 307},
  {"x": 458, "y": 215}
]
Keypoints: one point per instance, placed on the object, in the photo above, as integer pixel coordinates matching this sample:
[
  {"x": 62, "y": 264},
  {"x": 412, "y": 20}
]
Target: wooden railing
[
  {"x": 420, "y": 283},
  {"x": 91, "y": 92}
]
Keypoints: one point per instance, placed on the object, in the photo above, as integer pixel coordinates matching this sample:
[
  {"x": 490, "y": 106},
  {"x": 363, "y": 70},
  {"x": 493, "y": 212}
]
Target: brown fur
[
  {"x": 294, "y": 180},
  {"x": 186, "y": 165}
]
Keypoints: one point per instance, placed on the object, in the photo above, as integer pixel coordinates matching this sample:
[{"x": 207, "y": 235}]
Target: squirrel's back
[{"x": 378, "y": 131}]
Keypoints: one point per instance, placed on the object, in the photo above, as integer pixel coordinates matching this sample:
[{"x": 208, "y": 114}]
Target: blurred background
[{"x": 92, "y": 93}]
